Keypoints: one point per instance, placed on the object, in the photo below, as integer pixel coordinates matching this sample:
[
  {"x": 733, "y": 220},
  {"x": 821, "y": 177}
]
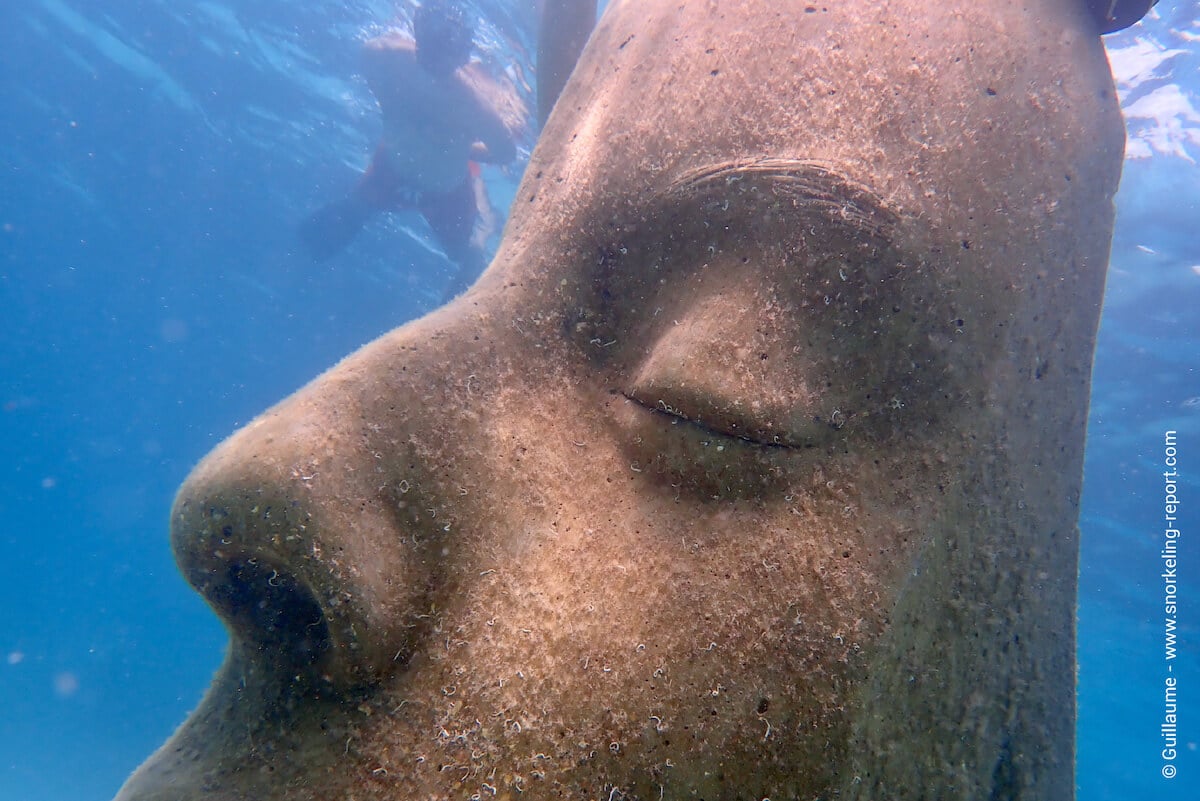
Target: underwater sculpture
[{"x": 750, "y": 468}]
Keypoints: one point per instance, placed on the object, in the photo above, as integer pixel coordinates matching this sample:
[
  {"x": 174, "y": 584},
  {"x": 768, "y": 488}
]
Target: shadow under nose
[{"x": 273, "y": 610}]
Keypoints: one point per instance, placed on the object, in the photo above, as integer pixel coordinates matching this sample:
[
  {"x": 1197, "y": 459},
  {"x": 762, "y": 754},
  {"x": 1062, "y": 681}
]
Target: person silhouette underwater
[{"x": 442, "y": 116}]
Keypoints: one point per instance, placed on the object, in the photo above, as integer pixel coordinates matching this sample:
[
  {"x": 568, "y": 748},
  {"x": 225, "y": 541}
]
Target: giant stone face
[{"x": 749, "y": 469}]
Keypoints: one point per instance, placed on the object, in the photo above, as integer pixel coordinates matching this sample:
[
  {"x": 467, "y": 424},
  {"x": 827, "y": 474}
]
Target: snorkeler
[{"x": 442, "y": 115}]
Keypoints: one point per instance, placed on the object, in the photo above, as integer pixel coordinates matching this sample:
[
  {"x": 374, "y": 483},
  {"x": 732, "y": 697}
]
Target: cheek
[{"x": 637, "y": 629}]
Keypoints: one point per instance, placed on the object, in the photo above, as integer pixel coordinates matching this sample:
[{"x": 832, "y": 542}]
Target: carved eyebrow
[{"x": 812, "y": 188}]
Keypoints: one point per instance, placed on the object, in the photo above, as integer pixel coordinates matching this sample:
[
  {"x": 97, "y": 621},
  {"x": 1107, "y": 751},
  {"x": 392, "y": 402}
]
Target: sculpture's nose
[{"x": 292, "y": 536}]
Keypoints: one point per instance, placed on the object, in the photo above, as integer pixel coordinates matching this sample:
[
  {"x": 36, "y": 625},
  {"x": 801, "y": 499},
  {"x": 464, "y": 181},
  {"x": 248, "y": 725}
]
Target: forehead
[{"x": 929, "y": 107}]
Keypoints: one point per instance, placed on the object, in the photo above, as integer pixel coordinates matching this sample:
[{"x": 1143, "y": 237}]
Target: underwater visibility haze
[{"x": 157, "y": 161}]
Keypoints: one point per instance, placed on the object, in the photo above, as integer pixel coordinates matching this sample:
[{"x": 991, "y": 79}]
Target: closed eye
[{"x": 728, "y": 430}]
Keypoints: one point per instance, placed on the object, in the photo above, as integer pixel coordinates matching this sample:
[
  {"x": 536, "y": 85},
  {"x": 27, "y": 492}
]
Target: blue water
[{"x": 155, "y": 159}]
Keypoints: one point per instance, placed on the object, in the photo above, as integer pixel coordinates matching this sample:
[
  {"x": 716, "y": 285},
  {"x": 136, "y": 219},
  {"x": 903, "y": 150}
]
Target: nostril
[
  {"x": 312, "y": 575},
  {"x": 330, "y": 603},
  {"x": 272, "y": 610}
]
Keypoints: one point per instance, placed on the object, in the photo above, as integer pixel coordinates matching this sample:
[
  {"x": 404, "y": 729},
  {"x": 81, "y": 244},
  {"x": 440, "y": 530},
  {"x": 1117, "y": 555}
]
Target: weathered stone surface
[{"x": 749, "y": 469}]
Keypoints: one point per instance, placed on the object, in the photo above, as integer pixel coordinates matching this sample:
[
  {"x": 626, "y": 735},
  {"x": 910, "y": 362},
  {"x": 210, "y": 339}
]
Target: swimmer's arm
[{"x": 494, "y": 143}]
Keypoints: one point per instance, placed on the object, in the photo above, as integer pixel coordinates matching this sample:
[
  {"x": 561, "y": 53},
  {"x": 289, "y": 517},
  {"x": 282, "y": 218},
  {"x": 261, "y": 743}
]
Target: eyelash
[{"x": 676, "y": 415}]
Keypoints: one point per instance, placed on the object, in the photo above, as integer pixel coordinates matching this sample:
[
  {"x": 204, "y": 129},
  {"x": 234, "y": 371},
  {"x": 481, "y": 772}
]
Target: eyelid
[
  {"x": 723, "y": 368},
  {"x": 734, "y": 427}
]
